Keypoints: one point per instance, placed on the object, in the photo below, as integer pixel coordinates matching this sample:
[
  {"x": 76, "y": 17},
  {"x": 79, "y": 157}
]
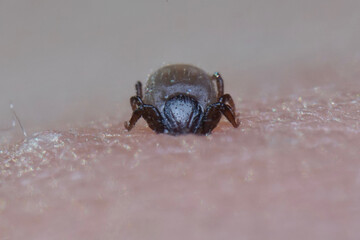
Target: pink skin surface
[{"x": 290, "y": 171}]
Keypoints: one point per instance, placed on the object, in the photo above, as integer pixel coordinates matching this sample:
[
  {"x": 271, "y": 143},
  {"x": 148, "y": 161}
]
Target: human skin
[{"x": 290, "y": 171}]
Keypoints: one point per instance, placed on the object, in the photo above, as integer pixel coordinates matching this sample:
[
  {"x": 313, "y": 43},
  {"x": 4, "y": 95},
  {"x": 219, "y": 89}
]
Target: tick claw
[{"x": 127, "y": 125}]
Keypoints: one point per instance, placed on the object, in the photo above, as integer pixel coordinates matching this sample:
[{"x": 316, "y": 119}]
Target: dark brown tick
[{"x": 181, "y": 99}]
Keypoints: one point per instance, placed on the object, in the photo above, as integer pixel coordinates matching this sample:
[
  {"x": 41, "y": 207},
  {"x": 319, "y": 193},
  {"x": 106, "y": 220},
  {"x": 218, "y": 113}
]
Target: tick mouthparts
[{"x": 182, "y": 112}]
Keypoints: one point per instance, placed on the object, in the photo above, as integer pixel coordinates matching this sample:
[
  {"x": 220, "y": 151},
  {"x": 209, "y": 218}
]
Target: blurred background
[{"x": 63, "y": 62}]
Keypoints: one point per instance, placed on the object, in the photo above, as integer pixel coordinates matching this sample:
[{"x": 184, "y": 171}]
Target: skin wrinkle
[{"x": 115, "y": 183}]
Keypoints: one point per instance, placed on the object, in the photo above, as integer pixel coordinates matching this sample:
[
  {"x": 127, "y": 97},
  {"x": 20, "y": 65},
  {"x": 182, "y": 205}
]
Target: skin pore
[{"x": 290, "y": 171}]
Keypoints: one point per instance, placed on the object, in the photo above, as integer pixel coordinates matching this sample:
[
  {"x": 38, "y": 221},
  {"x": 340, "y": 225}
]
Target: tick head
[{"x": 182, "y": 114}]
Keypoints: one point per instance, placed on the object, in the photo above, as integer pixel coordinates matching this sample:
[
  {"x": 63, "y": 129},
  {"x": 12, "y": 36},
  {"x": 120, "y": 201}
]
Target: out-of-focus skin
[{"x": 290, "y": 171}]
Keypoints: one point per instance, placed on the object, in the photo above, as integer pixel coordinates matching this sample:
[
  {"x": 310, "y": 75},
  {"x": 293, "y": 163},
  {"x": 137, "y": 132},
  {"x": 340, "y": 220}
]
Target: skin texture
[
  {"x": 291, "y": 166},
  {"x": 290, "y": 171}
]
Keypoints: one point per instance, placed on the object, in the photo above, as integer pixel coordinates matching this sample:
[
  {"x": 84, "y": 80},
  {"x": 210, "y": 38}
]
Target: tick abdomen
[{"x": 179, "y": 79}]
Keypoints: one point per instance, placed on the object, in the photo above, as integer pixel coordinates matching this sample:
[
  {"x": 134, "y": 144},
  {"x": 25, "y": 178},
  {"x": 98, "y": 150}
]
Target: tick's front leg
[{"x": 211, "y": 118}]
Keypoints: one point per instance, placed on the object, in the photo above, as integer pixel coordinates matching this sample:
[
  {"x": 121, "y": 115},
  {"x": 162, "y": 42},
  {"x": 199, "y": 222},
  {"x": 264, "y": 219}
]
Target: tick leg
[
  {"x": 211, "y": 118},
  {"x": 229, "y": 110},
  {"x": 138, "y": 88},
  {"x": 153, "y": 118},
  {"x": 134, "y": 118},
  {"x": 229, "y": 114},
  {"x": 219, "y": 84},
  {"x": 228, "y": 99},
  {"x": 135, "y": 102},
  {"x": 213, "y": 114},
  {"x": 148, "y": 112}
]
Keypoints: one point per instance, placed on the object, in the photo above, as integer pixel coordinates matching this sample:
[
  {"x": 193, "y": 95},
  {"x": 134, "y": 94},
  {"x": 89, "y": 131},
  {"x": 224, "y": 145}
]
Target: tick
[{"x": 181, "y": 99}]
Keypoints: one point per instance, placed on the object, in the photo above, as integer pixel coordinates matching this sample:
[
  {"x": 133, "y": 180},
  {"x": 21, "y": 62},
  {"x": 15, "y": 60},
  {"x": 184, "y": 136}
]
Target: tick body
[{"x": 181, "y": 99}]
